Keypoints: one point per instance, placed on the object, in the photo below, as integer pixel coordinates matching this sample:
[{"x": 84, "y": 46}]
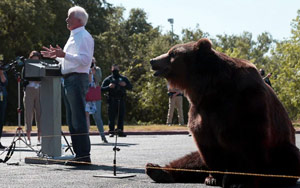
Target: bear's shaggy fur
[{"x": 236, "y": 120}]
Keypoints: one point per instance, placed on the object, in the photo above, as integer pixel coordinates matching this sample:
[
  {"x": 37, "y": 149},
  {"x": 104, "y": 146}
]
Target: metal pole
[
  {"x": 171, "y": 20},
  {"x": 115, "y": 148},
  {"x": 115, "y": 156},
  {"x": 19, "y": 99},
  {"x": 172, "y": 33}
]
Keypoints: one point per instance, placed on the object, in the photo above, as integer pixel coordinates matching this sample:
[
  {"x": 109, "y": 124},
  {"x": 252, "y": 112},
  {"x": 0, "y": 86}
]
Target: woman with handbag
[
  {"x": 90, "y": 107},
  {"x": 93, "y": 99}
]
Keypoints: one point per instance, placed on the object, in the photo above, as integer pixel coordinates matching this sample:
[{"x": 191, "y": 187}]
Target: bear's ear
[{"x": 204, "y": 45}]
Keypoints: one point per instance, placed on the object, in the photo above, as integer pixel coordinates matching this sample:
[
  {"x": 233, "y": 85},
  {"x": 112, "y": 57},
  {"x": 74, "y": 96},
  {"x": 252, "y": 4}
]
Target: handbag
[{"x": 93, "y": 94}]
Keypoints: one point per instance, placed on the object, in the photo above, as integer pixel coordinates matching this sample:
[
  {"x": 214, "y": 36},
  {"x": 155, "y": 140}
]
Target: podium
[{"x": 50, "y": 99}]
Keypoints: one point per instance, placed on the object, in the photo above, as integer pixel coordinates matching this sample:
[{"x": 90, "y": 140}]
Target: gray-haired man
[{"x": 75, "y": 60}]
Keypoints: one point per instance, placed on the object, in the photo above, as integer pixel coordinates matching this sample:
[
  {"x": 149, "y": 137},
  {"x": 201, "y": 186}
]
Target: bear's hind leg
[
  {"x": 177, "y": 172},
  {"x": 285, "y": 161}
]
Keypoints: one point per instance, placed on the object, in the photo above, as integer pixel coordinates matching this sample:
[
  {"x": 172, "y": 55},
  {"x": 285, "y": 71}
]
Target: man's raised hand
[
  {"x": 52, "y": 52},
  {"x": 59, "y": 52}
]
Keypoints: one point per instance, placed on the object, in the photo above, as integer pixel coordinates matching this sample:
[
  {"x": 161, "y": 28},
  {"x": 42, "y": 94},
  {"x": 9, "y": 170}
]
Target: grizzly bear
[{"x": 236, "y": 120}]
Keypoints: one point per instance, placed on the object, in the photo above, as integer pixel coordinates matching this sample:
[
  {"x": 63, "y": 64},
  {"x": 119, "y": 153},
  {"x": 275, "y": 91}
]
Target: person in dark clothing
[
  {"x": 116, "y": 86},
  {"x": 3, "y": 101},
  {"x": 265, "y": 78}
]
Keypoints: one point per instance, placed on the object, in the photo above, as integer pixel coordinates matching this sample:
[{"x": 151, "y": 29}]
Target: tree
[
  {"x": 286, "y": 58},
  {"x": 244, "y": 47},
  {"x": 189, "y": 35},
  {"x": 137, "y": 22},
  {"x": 152, "y": 105},
  {"x": 131, "y": 43},
  {"x": 26, "y": 26},
  {"x": 261, "y": 48}
]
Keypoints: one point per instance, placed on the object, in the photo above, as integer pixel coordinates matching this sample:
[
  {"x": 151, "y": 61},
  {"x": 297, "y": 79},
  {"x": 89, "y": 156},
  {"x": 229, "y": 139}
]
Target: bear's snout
[
  {"x": 152, "y": 61},
  {"x": 154, "y": 64},
  {"x": 160, "y": 64}
]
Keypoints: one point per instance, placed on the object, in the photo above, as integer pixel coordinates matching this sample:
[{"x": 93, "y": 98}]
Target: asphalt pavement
[{"x": 135, "y": 152}]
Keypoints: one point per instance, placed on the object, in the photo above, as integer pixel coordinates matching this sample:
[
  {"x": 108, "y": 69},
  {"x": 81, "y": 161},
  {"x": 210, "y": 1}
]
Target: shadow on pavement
[
  {"x": 106, "y": 168},
  {"x": 113, "y": 144}
]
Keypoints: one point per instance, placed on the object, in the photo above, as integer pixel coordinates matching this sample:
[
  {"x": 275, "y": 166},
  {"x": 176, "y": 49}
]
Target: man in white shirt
[{"x": 75, "y": 60}]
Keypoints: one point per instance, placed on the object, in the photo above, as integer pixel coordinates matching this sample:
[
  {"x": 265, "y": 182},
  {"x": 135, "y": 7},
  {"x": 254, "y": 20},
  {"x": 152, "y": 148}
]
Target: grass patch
[{"x": 127, "y": 128}]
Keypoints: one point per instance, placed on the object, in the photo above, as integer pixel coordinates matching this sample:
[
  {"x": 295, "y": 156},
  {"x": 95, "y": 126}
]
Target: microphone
[{"x": 19, "y": 61}]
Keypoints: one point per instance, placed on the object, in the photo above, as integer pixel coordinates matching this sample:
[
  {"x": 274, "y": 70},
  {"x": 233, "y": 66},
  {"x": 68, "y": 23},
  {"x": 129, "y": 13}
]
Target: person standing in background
[
  {"x": 175, "y": 101},
  {"x": 116, "y": 86},
  {"x": 32, "y": 106},
  {"x": 90, "y": 106},
  {"x": 3, "y": 101},
  {"x": 97, "y": 74},
  {"x": 265, "y": 78}
]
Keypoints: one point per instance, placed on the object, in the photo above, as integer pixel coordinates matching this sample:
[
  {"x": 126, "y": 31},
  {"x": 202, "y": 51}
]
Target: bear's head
[{"x": 176, "y": 64}]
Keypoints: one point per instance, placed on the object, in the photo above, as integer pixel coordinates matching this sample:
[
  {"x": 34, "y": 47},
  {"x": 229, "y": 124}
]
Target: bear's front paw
[{"x": 157, "y": 174}]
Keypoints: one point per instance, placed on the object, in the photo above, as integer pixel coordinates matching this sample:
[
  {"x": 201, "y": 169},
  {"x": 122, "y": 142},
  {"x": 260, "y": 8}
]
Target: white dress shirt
[{"x": 79, "y": 51}]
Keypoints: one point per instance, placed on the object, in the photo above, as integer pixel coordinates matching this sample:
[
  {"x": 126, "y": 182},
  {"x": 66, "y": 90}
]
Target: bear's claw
[{"x": 210, "y": 180}]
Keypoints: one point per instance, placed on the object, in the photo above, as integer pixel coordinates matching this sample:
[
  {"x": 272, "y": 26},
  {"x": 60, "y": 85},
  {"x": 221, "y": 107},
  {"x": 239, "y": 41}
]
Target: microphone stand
[{"x": 115, "y": 149}]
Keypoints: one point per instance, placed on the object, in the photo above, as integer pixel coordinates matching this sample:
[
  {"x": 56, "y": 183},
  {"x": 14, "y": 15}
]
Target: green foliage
[
  {"x": 131, "y": 43},
  {"x": 151, "y": 92},
  {"x": 137, "y": 22},
  {"x": 245, "y": 47},
  {"x": 189, "y": 35},
  {"x": 26, "y": 26},
  {"x": 287, "y": 70}
]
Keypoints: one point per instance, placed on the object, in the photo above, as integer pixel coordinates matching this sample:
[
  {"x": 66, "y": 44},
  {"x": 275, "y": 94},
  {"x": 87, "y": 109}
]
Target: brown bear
[{"x": 236, "y": 120}]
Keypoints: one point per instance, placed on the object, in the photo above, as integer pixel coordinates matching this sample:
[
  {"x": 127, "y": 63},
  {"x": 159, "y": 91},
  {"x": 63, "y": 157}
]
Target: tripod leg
[
  {"x": 19, "y": 135},
  {"x": 69, "y": 146},
  {"x": 28, "y": 145}
]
